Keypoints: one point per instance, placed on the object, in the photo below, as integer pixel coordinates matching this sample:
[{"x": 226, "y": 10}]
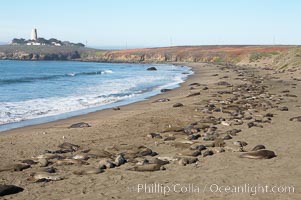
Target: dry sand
[{"x": 122, "y": 130}]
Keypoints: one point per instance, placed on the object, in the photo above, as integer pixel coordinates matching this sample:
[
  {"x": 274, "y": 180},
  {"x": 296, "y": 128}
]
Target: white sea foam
[
  {"x": 31, "y": 109},
  {"x": 109, "y": 91},
  {"x": 108, "y": 71}
]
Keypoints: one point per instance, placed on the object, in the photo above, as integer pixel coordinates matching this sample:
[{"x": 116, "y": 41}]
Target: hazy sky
[{"x": 154, "y": 22}]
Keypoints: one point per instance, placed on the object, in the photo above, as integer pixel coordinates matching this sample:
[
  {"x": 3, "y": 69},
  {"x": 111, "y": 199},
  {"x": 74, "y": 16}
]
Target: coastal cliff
[{"x": 276, "y": 57}]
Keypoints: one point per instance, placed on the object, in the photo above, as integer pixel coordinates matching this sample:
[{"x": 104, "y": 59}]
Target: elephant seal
[
  {"x": 15, "y": 167},
  {"x": 48, "y": 156},
  {"x": 71, "y": 162},
  {"x": 258, "y": 147},
  {"x": 9, "y": 189},
  {"x": 48, "y": 169},
  {"x": 260, "y": 154},
  {"x": 208, "y": 153},
  {"x": 187, "y": 160},
  {"x": 69, "y": 146},
  {"x": 81, "y": 156},
  {"x": 120, "y": 160},
  {"x": 240, "y": 143},
  {"x": 233, "y": 132},
  {"x": 29, "y": 162},
  {"x": 199, "y": 147},
  {"x": 106, "y": 164},
  {"x": 116, "y": 108},
  {"x": 43, "y": 162},
  {"x": 44, "y": 176},
  {"x": 80, "y": 125},
  {"x": 296, "y": 119},
  {"x": 151, "y": 69},
  {"x": 154, "y": 135},
  {"x": 88, "y": 171},
  {"x": 176, "y": 105},
  {"x": 194, "y": 94},
  {"x": 189, "y": 152},
  {"x": 147, "y": 168},
  {"x": 159, "y": 161}
]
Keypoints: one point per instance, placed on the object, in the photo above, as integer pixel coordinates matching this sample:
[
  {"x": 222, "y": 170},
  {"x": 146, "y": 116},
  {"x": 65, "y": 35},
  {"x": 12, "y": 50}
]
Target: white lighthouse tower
[{"x": 34, "y": 34}]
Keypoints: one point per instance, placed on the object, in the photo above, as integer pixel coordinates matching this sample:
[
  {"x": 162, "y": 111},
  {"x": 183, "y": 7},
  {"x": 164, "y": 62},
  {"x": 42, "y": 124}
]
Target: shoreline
[
  {"x": 70, "y": 114},
  {"x": 109, "y": 109},
  {"x": 124, "y": 130}
]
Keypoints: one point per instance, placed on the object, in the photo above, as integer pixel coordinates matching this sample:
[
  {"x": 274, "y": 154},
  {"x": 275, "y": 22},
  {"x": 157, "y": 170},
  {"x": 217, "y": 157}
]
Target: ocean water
[{"x": 33, "y": 92}]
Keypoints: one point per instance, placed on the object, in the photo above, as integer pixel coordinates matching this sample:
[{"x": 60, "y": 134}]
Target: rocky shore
[{"x": 227, "y": 125}]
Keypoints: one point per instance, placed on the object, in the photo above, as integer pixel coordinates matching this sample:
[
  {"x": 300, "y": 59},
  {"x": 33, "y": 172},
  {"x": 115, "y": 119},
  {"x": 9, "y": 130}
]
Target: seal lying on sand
[
  {"x": 106, "y": 164},
  {"x": 71, "y": 162},
  {"x": 80, "y": 125},
  {"x": 147, "y": 168},
  {"x": 258, "y": 147},
  {"x": 44, "y": 176},
  {"x": 15, "y": 167},
  {"x": 296, "y": 119},
  {"x": 260, "y": 154},
  {"x": 69, "y": 146},
  {"x": 88, "y": 171},
  {"x": 9, "y": 189},
  {"x": 187, "y": 160}
]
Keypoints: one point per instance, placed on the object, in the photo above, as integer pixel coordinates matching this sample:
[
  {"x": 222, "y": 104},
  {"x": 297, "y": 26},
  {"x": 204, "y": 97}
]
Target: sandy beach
[{"x": 256, "y": 103}]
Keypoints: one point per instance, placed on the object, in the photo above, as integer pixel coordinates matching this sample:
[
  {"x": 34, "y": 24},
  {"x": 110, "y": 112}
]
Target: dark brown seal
[{"x": 260, "y": 154}]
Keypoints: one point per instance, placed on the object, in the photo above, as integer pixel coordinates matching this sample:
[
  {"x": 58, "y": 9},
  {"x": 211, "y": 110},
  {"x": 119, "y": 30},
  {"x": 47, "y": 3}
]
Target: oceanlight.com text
[{"x": 210, "y": 188}]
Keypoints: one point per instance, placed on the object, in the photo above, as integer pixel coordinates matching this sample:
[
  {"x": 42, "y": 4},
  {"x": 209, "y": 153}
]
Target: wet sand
[{"x": 258, "y": 92}]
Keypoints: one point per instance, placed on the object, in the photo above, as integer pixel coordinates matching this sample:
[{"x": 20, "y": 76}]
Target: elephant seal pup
[
  {"x": 29, "y": 162},
  {"x": 189, "y": 152},
  {"x": 176, "y": 105},
  {"x": 15, "y": 167},
  {"x": 48, "y": 156},
  {"x": 208, "y": 153},
  {"x": 106, "y": 164},
  {"x": 296, "y": 119},
  {"x": 120, "y": 160},
  {"x": 258, "y": 147},
  {"x": 187, "y": 160},
  {"x": 199, "y": 147},
  {"x": 70, "y": 162},
  {"x": 167, "y": 158},
  {"x": 81, "y": 156},
  {"x": 88, "y": 171},
  {"x": 69, "y": 146},
  {"x": 158, "y": 161},
  {"x": 44, "y": 176},
  {"x": 43, "y": 162},
  {"x": 80, "y": 125},
  {"x": 260, "y": 154},
  {"x": 147, "y": 168},
  {"x": 240, "y": 143},
  {"x": 48, "y": 169}
]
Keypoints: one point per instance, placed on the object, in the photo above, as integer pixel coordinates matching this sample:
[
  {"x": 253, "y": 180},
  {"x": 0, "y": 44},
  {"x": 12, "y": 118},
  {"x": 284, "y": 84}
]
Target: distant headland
[
  {"x": 39, "y": 41},
  {"x": 281, "y": 57}
]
